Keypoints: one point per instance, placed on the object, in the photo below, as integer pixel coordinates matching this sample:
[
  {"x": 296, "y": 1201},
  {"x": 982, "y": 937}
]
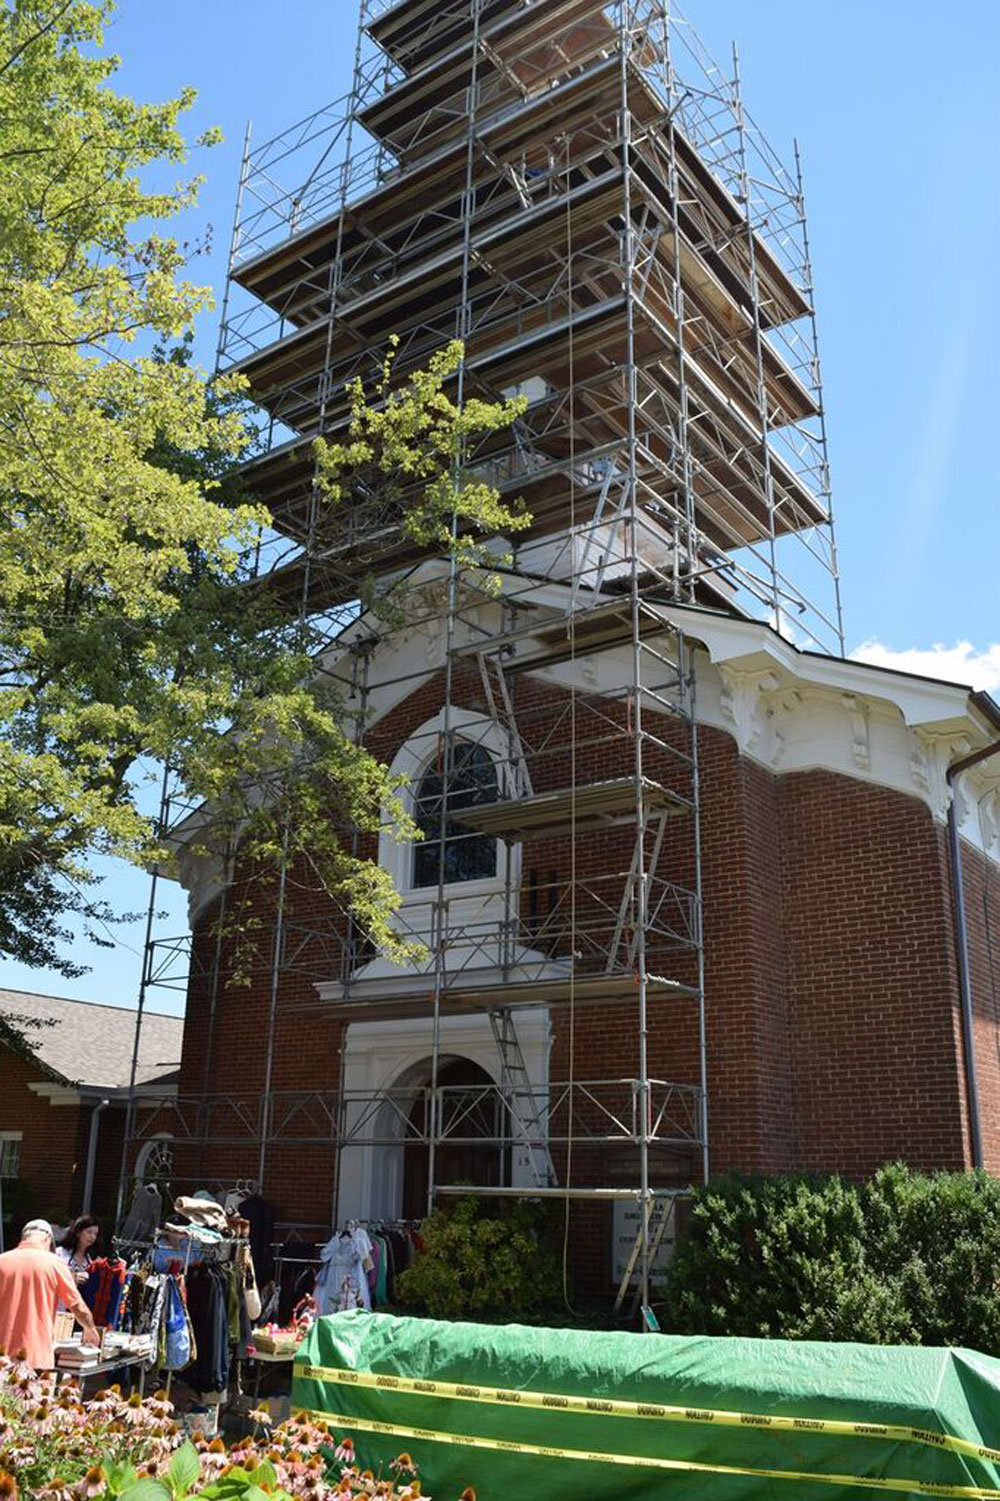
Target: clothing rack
[{"x": 385, "y": 1224}]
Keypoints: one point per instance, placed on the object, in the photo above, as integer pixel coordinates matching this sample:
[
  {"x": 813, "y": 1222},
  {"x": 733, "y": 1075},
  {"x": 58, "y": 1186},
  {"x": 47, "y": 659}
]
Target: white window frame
[
  {"x": 14, "y": 1139},
  {"x": 411, "y": 760}
]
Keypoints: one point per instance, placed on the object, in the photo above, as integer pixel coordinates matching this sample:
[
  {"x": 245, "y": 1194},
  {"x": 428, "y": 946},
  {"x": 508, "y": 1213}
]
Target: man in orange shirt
[{"x": 33, "y": 1283}]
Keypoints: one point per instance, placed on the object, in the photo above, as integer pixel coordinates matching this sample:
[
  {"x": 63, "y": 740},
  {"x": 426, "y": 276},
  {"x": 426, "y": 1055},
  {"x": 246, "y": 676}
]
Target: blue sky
[{"x": 897, "y": 109}]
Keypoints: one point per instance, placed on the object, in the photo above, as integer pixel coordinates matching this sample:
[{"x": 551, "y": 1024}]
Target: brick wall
[
  {"x": 873, "y": 1000},
  {"x": 981, "y": 884},
  {"x": 54, "y": 1141}
]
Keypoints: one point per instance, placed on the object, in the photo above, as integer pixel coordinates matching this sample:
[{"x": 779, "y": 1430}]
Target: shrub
[
  {"x": 904, "y": 1258},
  {"x": 482, "y": 1262},
  {"x": 937, "y": 1238}
]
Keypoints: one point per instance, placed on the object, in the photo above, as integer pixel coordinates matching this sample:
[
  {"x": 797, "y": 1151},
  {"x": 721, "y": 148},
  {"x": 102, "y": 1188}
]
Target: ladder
[
  {"x": 501, "y": 711},
  {"x": 582, "y": 571},
  {"x": 661, "y": 1218},
  {"x": 521, "y": 1099}
]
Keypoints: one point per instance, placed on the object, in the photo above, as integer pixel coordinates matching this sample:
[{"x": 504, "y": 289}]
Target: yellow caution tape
[
  {"x": 652, "y": 1462},
  {"x": 620, "y": 1408}
]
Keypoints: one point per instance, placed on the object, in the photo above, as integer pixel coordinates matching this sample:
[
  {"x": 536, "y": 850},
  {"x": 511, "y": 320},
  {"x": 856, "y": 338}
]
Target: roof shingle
[{"x": 88, "y": 1043}]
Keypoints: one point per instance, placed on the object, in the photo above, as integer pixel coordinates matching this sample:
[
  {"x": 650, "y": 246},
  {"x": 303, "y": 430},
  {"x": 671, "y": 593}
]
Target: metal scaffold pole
[
  {"x": 640, "y": 893},
  {"x": 462, "y": 322},
  {"x": 824, "y": 485},
  {"x": 148, "y": 953}
]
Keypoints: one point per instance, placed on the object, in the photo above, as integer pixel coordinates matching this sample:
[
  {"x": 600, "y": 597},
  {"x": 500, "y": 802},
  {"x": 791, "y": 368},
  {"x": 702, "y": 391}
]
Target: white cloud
[{"x": 961, "y": 663}]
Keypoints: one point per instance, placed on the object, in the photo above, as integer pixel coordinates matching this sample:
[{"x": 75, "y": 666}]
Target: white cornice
[{"x": 787, "y": 710}]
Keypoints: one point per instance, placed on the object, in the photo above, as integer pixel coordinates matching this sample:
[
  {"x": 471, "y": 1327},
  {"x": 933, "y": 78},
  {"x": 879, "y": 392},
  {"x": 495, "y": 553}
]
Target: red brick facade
[
  {"x": 832, "y": 1006},
  {"x": 53, "y": 1145}
]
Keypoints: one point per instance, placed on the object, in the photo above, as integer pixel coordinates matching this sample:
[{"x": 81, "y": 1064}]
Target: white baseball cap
[{"x": 38, "y": 1227}]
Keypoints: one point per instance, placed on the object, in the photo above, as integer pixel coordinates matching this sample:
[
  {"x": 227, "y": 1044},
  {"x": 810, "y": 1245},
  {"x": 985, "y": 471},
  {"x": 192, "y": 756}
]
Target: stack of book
[{"x": 75, "y": 1356}]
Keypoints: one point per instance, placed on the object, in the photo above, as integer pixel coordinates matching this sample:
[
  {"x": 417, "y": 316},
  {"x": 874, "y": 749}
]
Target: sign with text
[{"x": 624, "y": 1229}]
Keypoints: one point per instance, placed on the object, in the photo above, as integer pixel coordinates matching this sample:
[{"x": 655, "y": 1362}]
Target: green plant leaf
[
  {"x": 265, "y": 1474},
  {"x": 184, "y": 1470},
  {"x": 146, "y": 1489}
]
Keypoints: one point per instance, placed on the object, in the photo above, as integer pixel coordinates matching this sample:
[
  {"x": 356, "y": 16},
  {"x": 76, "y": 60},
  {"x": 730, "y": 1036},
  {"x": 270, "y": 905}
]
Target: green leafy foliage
[
  {"x": 408, "y": 446},
  {"x": 129, "y": 635},
  {"x": 903, "y": 1258},
  {"x": 482, "y": 1262}
]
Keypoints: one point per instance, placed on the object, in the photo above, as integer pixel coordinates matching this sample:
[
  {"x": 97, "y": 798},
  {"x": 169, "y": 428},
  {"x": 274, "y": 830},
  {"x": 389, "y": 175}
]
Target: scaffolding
[{"x": 577, "y": 192}]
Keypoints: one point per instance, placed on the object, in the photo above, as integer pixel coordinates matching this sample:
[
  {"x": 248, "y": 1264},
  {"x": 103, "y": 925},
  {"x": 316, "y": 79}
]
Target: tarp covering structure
[{"x": 548, "y": 1414}]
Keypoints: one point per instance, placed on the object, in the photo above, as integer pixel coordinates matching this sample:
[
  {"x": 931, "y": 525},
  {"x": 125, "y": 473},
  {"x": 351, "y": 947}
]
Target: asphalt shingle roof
[{"x": 87, "y": 1043}]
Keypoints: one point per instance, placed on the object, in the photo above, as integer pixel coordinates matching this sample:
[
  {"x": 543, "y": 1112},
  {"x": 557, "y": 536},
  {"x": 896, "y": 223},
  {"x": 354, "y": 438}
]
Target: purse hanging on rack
[
  {"x": 248, "y": 1283},
  {"x": 178, "y": 1337}
]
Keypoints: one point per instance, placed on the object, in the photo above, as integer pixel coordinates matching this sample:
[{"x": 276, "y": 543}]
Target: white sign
[{"x": 625, "y": 1224}]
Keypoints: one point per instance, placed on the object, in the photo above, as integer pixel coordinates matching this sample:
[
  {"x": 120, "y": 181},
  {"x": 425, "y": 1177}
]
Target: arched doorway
[{"x": 467, "y": 1149}]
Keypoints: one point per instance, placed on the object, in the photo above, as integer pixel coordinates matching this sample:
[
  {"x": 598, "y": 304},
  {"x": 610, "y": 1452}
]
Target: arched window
[{"x": 469, "y": 777}]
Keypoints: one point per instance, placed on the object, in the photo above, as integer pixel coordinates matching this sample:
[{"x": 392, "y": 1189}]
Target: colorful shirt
[
  {"x": 102, "y": 1291},
  {"x": 33, "y": 1284}
]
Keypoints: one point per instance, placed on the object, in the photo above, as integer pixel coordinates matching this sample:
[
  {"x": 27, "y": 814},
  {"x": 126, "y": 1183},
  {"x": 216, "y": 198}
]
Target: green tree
[{"x": 129, "y": 633}]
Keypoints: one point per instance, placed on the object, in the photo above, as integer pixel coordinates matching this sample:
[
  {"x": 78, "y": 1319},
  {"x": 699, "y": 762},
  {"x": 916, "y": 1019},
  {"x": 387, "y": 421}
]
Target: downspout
[
  {"x": 88, "y": 1181},
  {"x": 962, "y": 949}
]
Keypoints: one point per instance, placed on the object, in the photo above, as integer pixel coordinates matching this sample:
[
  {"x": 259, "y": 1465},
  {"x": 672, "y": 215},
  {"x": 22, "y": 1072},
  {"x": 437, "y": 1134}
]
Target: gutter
[
  {"x": 962, "y": 949},
  {"x": 88, "y": 1181}
]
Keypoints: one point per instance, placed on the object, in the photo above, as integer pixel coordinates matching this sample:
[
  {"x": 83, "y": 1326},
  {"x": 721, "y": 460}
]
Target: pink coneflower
[
  {"x": 345, "y": 1451},
  {"x": 403, "y": 1465},
  {"x": 132, "y": 1412},
  {"x": 92, "y": 1484}
]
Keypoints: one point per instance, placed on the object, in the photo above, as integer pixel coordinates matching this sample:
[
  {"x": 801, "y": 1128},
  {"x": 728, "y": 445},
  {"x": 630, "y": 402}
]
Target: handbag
[
  {"x": 177, "y": 1335},
  {"x": 248, "y": 1282}
]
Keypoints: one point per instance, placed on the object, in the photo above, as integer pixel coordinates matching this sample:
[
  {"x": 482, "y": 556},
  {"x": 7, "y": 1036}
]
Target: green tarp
[{"x": 546, "y": 1414}]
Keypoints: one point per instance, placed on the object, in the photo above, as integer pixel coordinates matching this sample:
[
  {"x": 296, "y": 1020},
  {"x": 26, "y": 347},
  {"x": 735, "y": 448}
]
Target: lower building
[
  {"x": 65, "y": 1068},
  {"x": 833, "y": 1023}
]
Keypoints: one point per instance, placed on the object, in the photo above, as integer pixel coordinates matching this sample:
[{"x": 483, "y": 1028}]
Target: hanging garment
[
  {"x": 382, "y": 1271},
  {"x": 151, "y": 1313},
  {"x": 233, "y": 1301},
  {"x": 131, "y": 1294},
  {"x": 102, "y": 1291},
  {"x": 143, "y": 1218},
  {"x": 207, "y": 1296},
  {"x": 341, "y": 1262},
  {"x": 363, "y": 1244},
  {"x": 377, "y": 1256}
]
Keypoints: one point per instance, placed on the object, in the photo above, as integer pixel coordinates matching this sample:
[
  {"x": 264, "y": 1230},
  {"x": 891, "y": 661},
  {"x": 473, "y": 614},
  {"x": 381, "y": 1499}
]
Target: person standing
[
  {"x": 33, "y": 1284},
  {"x": 76, "y": 1245}
]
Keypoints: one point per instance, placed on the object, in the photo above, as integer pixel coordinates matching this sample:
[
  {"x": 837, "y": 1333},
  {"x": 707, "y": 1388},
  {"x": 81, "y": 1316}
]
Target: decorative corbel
[
  {"x": 930, "y": 757},
  {"x": 989, "y": 821},
  {"x": 857, "y": 711},
  {"x": 743, "y": 704}
]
